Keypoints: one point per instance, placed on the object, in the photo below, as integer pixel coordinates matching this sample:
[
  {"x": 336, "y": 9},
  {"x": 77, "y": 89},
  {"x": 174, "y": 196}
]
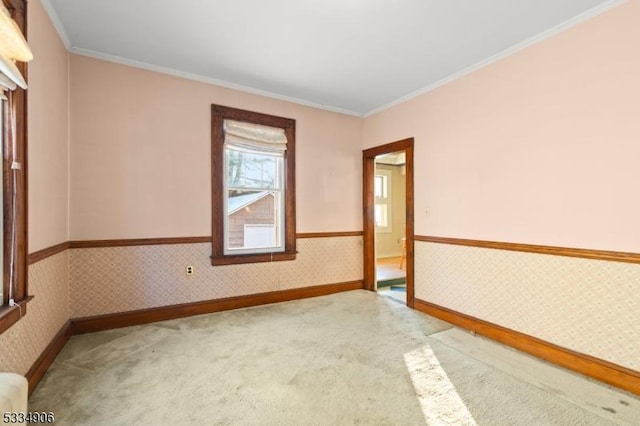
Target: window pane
[
  {"x": 254, "y": 219},
  {"x": 252, "y": 170},
  {"x": 380, "y": 186},
  {"x": 259, "y": 235},
  {"x": 381, "y": 215}
]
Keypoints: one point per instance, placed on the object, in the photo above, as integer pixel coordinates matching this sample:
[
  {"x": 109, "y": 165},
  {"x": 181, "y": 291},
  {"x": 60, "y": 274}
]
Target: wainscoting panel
[
  {"x": 588, "y": 306},
  {"x": 119, "y": 279},
  {"x": 24, "y": 342}
]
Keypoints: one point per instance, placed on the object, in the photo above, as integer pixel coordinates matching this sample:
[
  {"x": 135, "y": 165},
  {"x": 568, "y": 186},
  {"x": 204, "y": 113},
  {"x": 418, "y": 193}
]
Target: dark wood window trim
[
  {"x": 220, "y": 113},
  {"x": 17, "y": 103}
]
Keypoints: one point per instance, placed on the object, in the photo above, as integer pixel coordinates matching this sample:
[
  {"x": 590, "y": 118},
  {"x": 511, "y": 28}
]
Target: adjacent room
[
  {"x": 337, "y": 212},
  {"x": 391, "y": 225}
]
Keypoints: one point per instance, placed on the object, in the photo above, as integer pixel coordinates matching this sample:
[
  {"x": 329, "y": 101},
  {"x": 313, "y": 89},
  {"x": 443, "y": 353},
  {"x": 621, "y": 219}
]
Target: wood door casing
[{"x": 368, "y": 206}]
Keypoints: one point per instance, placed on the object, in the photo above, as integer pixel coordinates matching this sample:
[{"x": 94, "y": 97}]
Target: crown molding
[
  {"x": 208, "y": 80},
  {"x": 591, "y": 13},
  {"x": 566, "y": 25},
  {"x": 57, "y": 23}
]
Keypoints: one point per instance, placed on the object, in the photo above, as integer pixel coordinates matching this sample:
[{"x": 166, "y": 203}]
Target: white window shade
[
  {"x": 10, "y": 75},
  {"x": 13, "y": 47},
  {"x": 254, "y": 137},
  {"x": 6, "y": 83}
]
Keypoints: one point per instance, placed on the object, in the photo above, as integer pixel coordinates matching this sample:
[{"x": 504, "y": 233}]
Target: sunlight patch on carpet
[{"x": 438, "y": 398}]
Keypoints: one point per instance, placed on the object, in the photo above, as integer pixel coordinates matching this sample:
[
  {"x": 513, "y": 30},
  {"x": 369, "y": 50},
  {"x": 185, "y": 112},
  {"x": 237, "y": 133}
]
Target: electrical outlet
[{"x": 189, "y": 270}]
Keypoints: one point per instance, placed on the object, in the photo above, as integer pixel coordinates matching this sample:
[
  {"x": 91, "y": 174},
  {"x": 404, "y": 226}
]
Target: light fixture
[{"x": 13, "y": 47}]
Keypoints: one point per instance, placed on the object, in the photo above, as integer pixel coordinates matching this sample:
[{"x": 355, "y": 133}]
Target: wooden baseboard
[
  {"x": 590, "y": 366},
  {"x": 144, "y": 316},
  {"x": 125, "y": 319},
  {"x": 46, "y": 358}
]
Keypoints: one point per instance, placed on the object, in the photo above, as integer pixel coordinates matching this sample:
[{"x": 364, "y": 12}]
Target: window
[
  {"x": 382, "y": 191},
  {"x": 14, "y": 203},
  {"x": 382, "y": 215},
  {"x": 253, "y": 187},
  {"x": 381, "y": 186}
]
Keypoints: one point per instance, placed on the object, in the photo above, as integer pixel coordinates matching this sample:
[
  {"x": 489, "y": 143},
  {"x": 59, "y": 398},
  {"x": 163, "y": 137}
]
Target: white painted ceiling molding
[
  {"x": 341, "y": 75},
  {"x": 57, "y": 23},
  {"x": 208, "y": 80},
  {"x": 604, "y": 7}
]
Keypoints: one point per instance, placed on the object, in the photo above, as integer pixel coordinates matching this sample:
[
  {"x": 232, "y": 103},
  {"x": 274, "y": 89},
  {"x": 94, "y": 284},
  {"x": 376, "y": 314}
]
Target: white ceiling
[{"x": 353, "y": 56}]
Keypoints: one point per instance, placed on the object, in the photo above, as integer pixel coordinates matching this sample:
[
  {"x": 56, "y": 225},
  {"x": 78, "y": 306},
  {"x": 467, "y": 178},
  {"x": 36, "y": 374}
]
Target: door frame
[{"x": 368, "y": 207}]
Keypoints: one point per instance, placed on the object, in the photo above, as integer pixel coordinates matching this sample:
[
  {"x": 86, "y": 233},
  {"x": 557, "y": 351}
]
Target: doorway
[{"x": 388, "y": 249}]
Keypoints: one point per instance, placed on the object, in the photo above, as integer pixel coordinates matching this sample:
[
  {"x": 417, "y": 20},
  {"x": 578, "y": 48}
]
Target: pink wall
[
  {"x": 48, "y": 133},
  {"x": 141, "y": 155},
  {"x": 541, "y": 147}
]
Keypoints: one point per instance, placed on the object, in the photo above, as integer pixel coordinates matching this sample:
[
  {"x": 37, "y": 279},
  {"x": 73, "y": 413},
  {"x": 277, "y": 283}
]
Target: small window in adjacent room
[
  {"x": 382, "y": 190},
  {"x": 253, "y": 167},
  {"x": 381, "y": 215},
  {"x": 381, "y": 186}
]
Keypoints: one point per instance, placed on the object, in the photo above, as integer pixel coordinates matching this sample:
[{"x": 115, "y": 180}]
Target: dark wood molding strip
[
  {"x": 144, "y": 316},
  {"x": 616, "y": 256},
  {"x": 400, "y": 145},
  {"x": 590, "y": 366},
  {"x": 138, "y": 242},
  {"x": 43, "y": 254},
  {"x": 9, "y": 315},
  {"x": 253, "y": 258},
  {"x": 46, "y": 358},
  {"x": 329, "y": 234},
  {"x": 47, "y": 252}
]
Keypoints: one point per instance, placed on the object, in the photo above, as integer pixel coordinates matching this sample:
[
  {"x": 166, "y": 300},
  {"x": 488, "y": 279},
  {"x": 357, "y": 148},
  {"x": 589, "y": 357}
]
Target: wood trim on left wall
[
  {"x": 46, "y": 358},
  {"x": 58, "y": 248},
  {"x": 138, "y": 242},
  {"x": 39, "y": 255}
]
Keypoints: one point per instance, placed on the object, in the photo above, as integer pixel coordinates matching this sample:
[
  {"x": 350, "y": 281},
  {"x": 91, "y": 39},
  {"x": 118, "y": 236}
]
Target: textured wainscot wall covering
[
  {"x": 118, "y": 279},
  {"x": 589, "y": 306},
  {"x": 23, "y": 343}
]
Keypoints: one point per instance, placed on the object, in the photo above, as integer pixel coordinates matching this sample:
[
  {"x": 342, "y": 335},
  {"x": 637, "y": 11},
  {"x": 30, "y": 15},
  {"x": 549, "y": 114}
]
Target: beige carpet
[{"x": 345, "y": 359}]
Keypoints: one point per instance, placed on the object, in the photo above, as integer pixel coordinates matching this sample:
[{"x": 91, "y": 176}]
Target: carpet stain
[{"x": 609, "y": 409}]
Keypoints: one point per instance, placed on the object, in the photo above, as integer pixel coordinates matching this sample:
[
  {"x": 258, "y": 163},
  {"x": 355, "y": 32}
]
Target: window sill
[
  {"x": 10, "y": 315},
  {"x": 252, "y": 258}
]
